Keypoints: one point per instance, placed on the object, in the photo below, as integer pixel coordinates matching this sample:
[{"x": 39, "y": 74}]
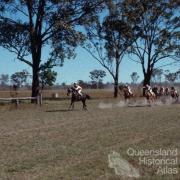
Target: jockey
[
  {"x": 155, "y": 90},
  {"x": 162, "y": 87},
  {"x": 166, "y": 90},
  {"x": 129, "y": 89},
  {"x": 173, "y": 90},
  {"x": 148, "y": 87},
  {"x": 78, "y": 89},
  {"x": 162, "y": 90}
]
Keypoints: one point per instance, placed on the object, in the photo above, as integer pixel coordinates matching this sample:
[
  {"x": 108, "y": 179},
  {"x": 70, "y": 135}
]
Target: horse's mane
[{"x": 73, "y": 89}]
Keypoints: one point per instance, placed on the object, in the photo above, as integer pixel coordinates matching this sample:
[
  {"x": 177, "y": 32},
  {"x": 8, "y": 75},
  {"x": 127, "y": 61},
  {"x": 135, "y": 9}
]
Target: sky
[{"x": 72, "y": 70}]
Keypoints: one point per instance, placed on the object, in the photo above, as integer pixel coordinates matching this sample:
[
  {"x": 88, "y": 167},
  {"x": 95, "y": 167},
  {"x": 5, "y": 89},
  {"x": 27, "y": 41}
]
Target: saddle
[
  {"x": 174, "y": 94},
  {"x": 78, "y": 96},
  {"x": 148, "y": 92}
]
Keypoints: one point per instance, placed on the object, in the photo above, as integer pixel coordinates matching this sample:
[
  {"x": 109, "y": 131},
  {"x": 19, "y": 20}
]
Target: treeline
[
  {"x": 23, "y": 79},
  {"x": 146, "y": 32},
  {"x": 47, "y": 79}
]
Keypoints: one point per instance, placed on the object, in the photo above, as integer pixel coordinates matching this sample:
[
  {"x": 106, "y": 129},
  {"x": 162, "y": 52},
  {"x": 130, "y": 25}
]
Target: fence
[{"x": 17, "y": 100}]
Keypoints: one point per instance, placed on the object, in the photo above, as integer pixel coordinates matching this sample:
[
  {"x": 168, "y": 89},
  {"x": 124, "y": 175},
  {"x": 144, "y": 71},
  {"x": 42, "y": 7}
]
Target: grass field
[
  {"x": 96, "y": 93},
  {"x": 51, "y": 143}
]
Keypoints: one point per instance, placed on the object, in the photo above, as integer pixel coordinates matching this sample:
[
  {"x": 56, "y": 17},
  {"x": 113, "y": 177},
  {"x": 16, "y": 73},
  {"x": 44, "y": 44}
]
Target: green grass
[{"x": 50, "y": 143}]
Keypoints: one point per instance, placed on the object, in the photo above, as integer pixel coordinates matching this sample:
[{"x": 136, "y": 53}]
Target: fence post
[
  {"x": 17, "y": 102},
  {"x": 39, "y": 99}
]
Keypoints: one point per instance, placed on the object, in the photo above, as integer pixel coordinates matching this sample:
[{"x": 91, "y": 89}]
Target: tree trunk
[
  {"x": 35, "y": 74},
  {"x": 116, "y": 80},
  {"x": 35, "y": 83},
  {"x": 97, "y": 85},
  {"x": 115, "y": 89},
  {"x": 147, "y": 80}
]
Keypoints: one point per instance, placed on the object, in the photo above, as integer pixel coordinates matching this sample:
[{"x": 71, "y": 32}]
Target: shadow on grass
[
  {"x": 131, "y": 106},
  {"x": 61, "y": 110}
]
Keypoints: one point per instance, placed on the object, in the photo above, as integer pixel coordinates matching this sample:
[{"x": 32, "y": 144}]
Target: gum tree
[
  {"x": 97, "y": 76},
  {"x": 28, "y": 26},
  {"x": 111, "y": 35},
  {"x": 158, "y": 44}
]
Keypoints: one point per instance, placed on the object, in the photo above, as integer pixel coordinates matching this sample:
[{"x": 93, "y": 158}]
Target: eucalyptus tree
[
  {"x": 134, "y": 77},
  {"x": 111, "y": 35},
  {"x": 159, "y": 42},
  {"x": 4, "y": 79},
  {"x": 157, "y": 75},
  {"x": 20, "y": 78},
  {"x": 29, "y": 26},
  {"x": 47, "y": 76},
  {"x": 97, "y": 76}
]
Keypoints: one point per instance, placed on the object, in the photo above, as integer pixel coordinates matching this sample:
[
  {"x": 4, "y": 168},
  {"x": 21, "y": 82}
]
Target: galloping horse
[
  {"x": 126, "y": 94},
  {"x": 175, "y": 95},
  {"x": 77, "y": 97},
  {"x": 167, "y": 91},
  {"x": 162, "y": 91},
  {"x": 150, "y": 96},
  {"x": 155, "y": 91}
]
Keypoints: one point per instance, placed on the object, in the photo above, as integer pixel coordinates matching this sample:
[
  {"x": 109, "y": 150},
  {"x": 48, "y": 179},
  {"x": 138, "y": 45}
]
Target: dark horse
[
  {"x": 77, "y": 97},
  {"x": 156, "y": 91},
  {"x": 174, "y": 94},
  {"x": 127, "y": 94}
]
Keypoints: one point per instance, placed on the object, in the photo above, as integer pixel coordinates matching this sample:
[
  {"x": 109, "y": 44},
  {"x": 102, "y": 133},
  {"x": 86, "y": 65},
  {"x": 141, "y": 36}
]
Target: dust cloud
[{"x": 140, "y": 103}]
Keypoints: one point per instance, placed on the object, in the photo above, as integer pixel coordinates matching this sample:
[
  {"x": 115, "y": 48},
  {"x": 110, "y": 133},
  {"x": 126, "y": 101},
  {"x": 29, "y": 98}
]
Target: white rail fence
[{"x": 17, "y": 100}]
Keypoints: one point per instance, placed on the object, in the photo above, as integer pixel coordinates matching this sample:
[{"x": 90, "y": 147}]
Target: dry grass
[
  {"x": 51, "y": 143},
  {"x": 95, "y": 93}
]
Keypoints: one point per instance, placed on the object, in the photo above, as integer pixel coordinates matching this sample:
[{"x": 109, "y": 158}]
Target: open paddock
[
  {"x": 51, "y": 143},
  {"x": 95, "y": 93}
]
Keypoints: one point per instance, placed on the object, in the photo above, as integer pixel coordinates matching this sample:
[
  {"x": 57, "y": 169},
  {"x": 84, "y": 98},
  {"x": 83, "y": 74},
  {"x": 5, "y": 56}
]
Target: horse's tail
[{"x": 87, "y": 96}]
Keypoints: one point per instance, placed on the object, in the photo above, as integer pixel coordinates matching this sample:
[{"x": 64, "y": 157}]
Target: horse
[
  {"x": 126, "y": 94},
  {"x": 167, "y": 91},
  {"x": 77, "y": 97},
  {"x": 175, "y": 95},
  {"x": 162, "y": 91},
  {"x": 151, "y": 97},
  {"x": 156, "y": 91}
]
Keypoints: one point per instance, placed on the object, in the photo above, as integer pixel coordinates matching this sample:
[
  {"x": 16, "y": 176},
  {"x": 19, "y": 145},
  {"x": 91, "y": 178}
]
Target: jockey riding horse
[
  {"x": 174, "y": 93},
  {"x": 76, "y": 96},
  {"x": 156, "y": 91},
  {"x": 149, "y": 94},
  {"x": 127, "y": 92}
]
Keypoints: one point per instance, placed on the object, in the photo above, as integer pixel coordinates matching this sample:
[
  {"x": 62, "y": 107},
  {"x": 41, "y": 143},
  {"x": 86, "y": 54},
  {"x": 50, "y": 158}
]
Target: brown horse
[
  {"x": 150, "y": 96},
  {"x": 127, "y": 94},
  {"x": 167, "y": 91},
  {"x": 156, "y": 91},
  {"x": 162, "y": 91},
  {"x": 175, "y": 94}
]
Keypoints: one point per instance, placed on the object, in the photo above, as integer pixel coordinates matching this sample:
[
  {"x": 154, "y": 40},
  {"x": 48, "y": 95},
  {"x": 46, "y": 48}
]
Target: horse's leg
[
  {"x": 150, "y": 100},
  {"x": 71, "y": 105},
  {"x": 84, "y": 105},
  {"x": 148, "y": 97},
  {"x": 126, "y": 100}
]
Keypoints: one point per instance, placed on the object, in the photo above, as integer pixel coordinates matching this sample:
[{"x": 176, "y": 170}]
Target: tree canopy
[
  {"x": 159, "y": 42},
  {"x": 28, "y": 26},
  {"x": 109, "y": 38}
]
